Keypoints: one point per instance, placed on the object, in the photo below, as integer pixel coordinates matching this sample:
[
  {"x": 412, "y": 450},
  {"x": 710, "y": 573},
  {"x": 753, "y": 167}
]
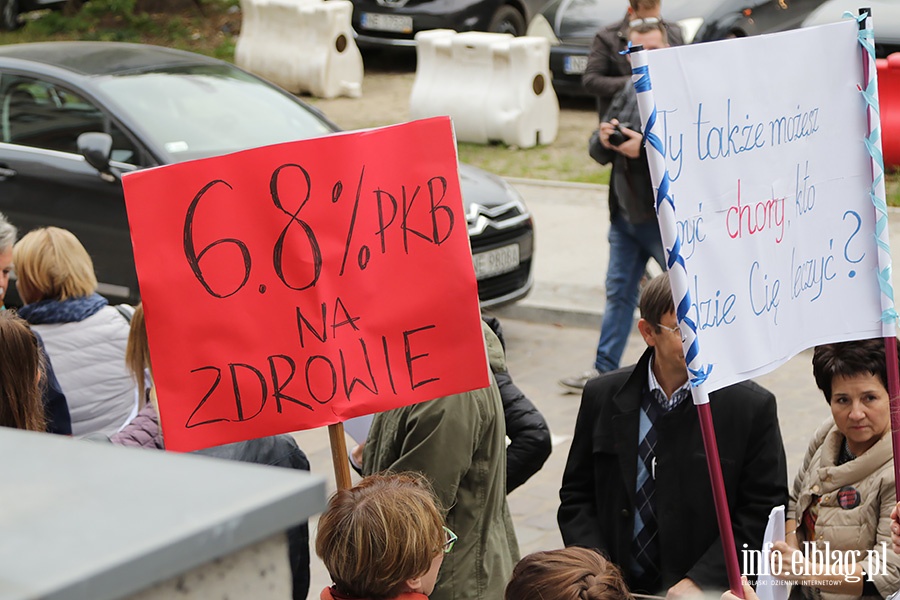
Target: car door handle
[{"x": 6, "y": 172}]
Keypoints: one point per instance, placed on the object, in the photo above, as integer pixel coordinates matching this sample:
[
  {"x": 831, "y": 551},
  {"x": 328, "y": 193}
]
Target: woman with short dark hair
[{"x": 844, "y": 492}]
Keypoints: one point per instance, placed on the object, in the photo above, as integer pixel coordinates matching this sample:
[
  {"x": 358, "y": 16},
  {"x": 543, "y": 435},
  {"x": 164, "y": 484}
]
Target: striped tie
[{"x": 645, "y": 547}]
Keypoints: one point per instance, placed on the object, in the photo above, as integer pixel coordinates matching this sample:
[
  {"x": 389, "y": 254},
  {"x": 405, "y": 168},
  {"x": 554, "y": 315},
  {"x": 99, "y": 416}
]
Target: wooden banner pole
[
  {"x": 720, "y": 498},
  {"x": 890, "y": 356},
  {"x": 339, "y": 456}
]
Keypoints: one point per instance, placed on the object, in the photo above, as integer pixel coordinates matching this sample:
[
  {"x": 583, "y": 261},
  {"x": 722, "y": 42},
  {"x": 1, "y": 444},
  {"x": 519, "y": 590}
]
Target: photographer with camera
[
  {"x": 607, "y": 70},
  {"x": 633, "y": 231}
]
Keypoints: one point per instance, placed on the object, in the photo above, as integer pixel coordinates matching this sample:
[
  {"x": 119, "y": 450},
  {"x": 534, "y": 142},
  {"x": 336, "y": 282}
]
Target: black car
[
  {"x": 153, "y": 106},
  {"x": 571, "y": 25},
  {"x": 396, "y": 22},
  {"x": 885, "y": 20},
  {"x": 11, "y": 9}
]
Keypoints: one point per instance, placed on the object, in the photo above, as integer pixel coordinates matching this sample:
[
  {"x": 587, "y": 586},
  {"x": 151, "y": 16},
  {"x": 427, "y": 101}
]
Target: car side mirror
[{"x": 96, "y": 148}]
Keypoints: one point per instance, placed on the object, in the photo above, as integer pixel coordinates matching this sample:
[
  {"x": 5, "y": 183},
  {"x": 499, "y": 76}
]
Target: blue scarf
[{"x": 62, "y": 311}]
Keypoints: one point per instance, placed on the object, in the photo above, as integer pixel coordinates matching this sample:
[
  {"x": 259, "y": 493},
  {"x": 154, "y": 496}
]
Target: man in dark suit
[{"x": 602, "y": 506}]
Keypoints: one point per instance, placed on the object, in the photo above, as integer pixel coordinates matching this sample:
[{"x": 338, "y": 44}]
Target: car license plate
[
  {"x": 575, "y": 65},
  {"x": 380, "y": 22},
  {"x": 497, "y": 261}
]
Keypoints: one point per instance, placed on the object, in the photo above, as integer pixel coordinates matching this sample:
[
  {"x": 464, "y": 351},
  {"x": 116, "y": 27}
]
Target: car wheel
[
  {"x": 9, "y": 14},
  {"x": 508, "y": 20}
]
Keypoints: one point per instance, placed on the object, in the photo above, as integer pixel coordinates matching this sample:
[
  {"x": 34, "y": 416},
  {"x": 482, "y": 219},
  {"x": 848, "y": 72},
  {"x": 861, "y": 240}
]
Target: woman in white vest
[{"x": 84, "y": 336}]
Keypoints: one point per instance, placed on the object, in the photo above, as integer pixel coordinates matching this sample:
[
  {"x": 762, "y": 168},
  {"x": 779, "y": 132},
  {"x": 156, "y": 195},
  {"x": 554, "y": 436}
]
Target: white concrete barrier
[
  {"x": 494, "y": 86},
  {"x": 301, "y": 45}
]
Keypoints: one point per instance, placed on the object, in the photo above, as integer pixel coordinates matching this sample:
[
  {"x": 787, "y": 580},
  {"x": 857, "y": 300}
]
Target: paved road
[{"x": 553, "y": 333}]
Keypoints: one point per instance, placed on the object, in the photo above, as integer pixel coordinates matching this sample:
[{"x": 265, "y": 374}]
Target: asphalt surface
[{"x": 553, "y": 333}]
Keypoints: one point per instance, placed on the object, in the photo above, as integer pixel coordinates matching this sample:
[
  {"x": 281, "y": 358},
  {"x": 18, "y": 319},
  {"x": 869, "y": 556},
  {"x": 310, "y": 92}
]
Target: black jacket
[
  {"x": 56, "y": 409},
  {"x": 597, "y": 494},
  {"x": 525, "y": 426},
  {"x": 631, "y": 192},
  {"x": 607, "y": 71}
]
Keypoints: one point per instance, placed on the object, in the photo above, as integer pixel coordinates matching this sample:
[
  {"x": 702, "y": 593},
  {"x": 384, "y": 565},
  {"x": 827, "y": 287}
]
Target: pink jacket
[{"x": 142, "y": 432}]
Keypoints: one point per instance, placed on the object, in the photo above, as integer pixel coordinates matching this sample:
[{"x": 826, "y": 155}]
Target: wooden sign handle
[{"x": 339, "y": 456}]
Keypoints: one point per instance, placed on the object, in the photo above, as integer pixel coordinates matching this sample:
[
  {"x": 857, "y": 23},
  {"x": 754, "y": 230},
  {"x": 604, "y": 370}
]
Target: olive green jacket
[{"x": 459, "y": 443}]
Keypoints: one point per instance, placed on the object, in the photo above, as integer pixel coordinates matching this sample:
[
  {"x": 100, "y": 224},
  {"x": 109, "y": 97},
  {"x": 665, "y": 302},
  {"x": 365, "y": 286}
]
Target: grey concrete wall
[{"x": 259, "y": 571}]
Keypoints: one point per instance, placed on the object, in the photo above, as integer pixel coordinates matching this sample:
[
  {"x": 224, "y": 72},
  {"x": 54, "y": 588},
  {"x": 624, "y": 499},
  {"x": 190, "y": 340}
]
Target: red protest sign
[{"x": 298, "y": 285}]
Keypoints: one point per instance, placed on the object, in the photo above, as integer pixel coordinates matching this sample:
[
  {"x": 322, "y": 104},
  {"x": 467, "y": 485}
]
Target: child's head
[
  {"x": 382, "y": 537},
  {"x": 20, "y": 373},
  {"x": 566, "y": 574}
]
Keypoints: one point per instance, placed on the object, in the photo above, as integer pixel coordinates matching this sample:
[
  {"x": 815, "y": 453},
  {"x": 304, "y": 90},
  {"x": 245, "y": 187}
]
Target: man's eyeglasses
[
  {"x": 674, "y": 330},
  {"x": 450, "y": 539}
]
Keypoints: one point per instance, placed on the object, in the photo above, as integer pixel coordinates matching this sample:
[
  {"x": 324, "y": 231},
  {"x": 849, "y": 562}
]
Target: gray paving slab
[{"x": 571, "y": 223}]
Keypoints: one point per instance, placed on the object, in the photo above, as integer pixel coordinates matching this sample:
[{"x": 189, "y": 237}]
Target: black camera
[{"x": 616, "y": 138}]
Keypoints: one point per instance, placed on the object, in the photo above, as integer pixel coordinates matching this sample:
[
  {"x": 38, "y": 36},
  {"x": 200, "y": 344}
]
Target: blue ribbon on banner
[
  {"x": 643, "y": 82},
  {"x": 643, "y": 85},
  {"x": 865, "y": 38},
  {"x": 700, "y": 375},
  {"x": 674, "y": 256}
]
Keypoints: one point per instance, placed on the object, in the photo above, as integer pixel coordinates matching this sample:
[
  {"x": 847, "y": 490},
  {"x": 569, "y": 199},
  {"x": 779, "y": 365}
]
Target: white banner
[{"x": 770, "y": 177}]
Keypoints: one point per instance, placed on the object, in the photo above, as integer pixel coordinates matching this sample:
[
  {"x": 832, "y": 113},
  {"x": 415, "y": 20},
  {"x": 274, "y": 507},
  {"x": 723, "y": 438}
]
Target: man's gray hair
[{"x": 8, "y": 233}]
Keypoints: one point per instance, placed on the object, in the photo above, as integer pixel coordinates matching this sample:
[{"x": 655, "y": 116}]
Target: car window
[
  {"x": 41, "y": 114},
  {"x": 200, "y": 111}
]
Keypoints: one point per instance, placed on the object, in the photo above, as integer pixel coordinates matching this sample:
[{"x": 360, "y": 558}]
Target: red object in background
[
  {"x": 889, "y": 104},
  {"x": 298, "y": 285}
]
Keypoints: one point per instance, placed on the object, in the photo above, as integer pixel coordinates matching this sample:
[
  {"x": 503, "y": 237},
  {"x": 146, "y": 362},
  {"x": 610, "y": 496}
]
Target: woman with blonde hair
[
  {"x": 143, "y": 431},
  {"x": 572, "y": 573},
  {"x": 20, "y": 375},
  {"x": 84, "y": 337},
  {"x": 383, "y": 539}
]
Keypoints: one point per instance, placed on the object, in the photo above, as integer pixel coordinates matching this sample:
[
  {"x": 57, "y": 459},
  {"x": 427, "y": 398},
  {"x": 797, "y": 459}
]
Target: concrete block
[
  {"x": 301, "y": 45},
  {"x": 494, "y": 86}
]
